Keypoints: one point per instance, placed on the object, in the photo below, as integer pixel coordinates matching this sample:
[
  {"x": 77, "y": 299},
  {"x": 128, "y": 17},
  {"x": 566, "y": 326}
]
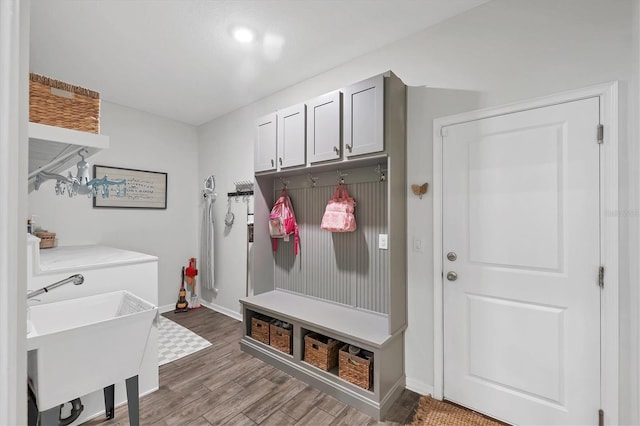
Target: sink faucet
[{"x": 76, "y": 279}]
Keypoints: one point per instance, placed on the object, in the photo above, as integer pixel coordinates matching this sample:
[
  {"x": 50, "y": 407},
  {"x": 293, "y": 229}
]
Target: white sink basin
[{"x": 82, "y": 345}]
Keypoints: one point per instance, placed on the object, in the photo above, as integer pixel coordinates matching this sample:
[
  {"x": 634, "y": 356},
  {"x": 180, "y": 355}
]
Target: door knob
[
  {"x": 452, "y": 256},
  {"x": 452, "y": 276}
]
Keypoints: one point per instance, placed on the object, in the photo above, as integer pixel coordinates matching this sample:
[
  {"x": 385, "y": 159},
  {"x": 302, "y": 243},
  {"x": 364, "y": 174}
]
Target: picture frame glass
[{"x": 144, "y": 189}]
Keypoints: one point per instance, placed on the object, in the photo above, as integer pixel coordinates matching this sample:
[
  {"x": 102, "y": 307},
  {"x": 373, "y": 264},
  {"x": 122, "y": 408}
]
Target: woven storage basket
[
  {"x": 47, "y": 239},
  {"x": 321, "y": 351},
  {"x": 260, "y": 328},
  {"x": 280, "y": 338},
  {"x": 61, "y": 104},
  {"x": 355, "y": 368}
]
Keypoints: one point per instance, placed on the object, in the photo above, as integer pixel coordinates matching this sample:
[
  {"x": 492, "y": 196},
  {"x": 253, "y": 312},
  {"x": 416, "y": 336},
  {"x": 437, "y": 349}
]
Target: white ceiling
[{"x": 177, "y": 59}]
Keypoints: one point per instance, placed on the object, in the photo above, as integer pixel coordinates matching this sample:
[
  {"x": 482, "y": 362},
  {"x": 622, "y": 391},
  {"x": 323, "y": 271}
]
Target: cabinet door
[
  {"x": 323, "y": 128},
  {"x": 364, "y": 117},
  {"x": 265, "y": 146},
  {"x": 291, "y": 136}
]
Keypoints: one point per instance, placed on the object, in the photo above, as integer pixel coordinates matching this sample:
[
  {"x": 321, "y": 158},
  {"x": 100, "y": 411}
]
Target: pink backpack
[{"x": 282, "y": 221}]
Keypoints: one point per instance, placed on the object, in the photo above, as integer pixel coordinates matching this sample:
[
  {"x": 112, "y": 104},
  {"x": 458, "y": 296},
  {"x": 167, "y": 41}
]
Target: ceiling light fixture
[{"x": 243, "y": 34}]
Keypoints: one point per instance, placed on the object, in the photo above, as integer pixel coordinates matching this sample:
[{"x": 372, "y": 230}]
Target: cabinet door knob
[
  {"x": 349, "y": 147},
  {"x": 335, "y": 148},
  {"x": 280, "y": 160}
]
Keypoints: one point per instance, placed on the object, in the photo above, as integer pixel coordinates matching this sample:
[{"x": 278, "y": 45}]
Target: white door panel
[{"x": 521, "y": 212}]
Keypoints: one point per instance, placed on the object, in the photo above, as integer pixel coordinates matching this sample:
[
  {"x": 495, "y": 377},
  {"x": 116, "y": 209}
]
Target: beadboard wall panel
[{"x": 346, "y": 268}]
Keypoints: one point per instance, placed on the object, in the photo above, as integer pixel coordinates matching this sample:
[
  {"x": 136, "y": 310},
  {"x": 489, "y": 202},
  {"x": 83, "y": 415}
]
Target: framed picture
[{"x": 145, "y": 189}]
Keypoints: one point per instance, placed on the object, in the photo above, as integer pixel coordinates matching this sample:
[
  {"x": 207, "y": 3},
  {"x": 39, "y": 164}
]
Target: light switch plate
[{"x": 383, "y": 241}]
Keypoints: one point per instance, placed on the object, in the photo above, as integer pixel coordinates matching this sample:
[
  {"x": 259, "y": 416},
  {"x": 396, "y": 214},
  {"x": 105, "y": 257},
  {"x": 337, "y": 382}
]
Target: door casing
[{"x": 609, "y": 318}]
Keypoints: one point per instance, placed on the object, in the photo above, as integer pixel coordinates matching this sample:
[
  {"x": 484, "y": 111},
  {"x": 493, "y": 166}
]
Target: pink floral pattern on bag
[{"x": 339, "y": 213}]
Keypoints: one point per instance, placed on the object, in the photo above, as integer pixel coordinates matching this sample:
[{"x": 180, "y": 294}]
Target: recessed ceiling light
[{"x": 243, "y": 34}]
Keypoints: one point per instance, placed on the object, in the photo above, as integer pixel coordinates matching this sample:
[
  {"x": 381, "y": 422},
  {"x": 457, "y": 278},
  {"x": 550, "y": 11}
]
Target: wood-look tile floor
[{"x": 223, "y": 385}]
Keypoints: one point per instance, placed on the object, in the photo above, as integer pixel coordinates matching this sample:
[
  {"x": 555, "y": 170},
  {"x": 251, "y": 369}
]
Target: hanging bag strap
[
  {"x": 296, "y": 235},
  {"x": 341, "y": 192}
]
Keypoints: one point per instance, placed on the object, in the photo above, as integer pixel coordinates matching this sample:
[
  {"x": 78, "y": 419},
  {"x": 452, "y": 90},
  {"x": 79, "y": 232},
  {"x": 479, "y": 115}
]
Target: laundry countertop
[{"x": 88, "y": 256}]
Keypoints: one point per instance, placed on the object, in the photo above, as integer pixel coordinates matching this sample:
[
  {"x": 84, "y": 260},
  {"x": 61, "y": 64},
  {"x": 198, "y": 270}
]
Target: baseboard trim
[
  {"x": 166, "y": 308},
  {"x": 222, "y": 310},
  {"x": 419, "y": 386}
]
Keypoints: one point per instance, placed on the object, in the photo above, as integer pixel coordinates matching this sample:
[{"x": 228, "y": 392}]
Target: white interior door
[{"x": 521, "y": 234}]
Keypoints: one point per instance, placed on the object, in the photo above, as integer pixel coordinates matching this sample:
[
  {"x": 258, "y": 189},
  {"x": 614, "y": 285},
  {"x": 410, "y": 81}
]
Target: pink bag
[
  {"x": 282, "y": 221},
  {"x": 338, "y": 215}
]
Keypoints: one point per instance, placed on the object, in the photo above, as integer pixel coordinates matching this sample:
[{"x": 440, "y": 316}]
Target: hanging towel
[{"x": 207, "y": 246}]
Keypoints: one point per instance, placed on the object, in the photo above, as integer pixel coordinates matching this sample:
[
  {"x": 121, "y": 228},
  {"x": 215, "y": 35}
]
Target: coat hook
[
  {"x": 313, "y": 179},
  {"x": 381, "y": 173},
  {"x": 341, "y": 176},
  {"x": 420, "y": 190},
  {"x": 284, "y": 183}
]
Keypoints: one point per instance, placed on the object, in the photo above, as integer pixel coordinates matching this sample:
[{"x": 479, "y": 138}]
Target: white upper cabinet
[
  {"x": 323, "y": 128},
  {"x": 364, "y": 117},
  {"x": 291, "y": 136},
  {"x": 266, "y": 142}
]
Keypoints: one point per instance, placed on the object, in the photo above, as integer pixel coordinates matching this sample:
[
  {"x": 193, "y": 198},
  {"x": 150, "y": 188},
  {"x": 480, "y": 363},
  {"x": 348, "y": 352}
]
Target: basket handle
[
  {"x": 314, "y": 346},
  {"x": 258, "y": 325},
  {"x": 279, "y": 333},
  {"x": 352, "y": 362}
]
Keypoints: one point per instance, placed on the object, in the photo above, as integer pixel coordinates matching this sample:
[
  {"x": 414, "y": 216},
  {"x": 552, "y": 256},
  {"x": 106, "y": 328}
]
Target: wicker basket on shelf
[
  {"x": 60, "y": 104},
  {"x": 321, "y": 351},
  {"x": 260, "y": 328},
  {"x": 47, "y": 239},
  {"x": 280, "y": 337},
  {"x": 356, "y": 368}
]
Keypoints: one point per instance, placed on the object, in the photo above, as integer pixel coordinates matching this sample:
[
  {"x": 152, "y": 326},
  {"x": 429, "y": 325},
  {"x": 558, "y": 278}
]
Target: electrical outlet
[
  {"x": 417, "y": 244},
  {"x": 383, "y": 241}
]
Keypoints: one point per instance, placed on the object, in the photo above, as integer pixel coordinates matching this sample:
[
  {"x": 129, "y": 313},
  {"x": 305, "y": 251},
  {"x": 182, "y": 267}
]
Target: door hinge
[
  {"x": 601, "y": 277},
  {"x": 444, "y": 132},
  {"x": 601, "y": 417},
  {"x": 600, "y": 133}
]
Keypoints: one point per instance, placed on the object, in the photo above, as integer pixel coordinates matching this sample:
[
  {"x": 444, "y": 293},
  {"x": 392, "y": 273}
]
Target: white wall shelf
[{"x": 54, "y": 149}]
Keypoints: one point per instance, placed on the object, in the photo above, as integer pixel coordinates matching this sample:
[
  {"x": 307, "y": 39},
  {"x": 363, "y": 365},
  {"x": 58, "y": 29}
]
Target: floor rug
[
  {"x": 432, "y": 412},
  {"x": 175, "y": 341}
]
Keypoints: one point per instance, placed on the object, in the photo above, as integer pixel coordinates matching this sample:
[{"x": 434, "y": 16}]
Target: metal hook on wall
[
  {"x": 313, "y": 179},
  {"x": 341, "y": 176},
  {"x": 284, "y": 183},
  {"x": 209, "y": 187},
  {"x": 381, "y": 173}
]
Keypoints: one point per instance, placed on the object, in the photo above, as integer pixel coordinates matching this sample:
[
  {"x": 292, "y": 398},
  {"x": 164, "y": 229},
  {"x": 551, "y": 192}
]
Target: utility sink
[{"x": 82, "y": 345}]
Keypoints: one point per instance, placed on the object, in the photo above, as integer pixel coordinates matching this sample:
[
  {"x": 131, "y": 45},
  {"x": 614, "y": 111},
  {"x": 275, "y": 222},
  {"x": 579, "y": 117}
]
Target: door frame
[{"x": 609, "y": 317}]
